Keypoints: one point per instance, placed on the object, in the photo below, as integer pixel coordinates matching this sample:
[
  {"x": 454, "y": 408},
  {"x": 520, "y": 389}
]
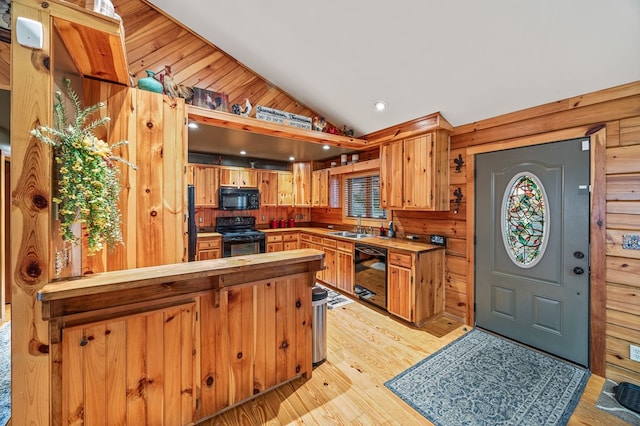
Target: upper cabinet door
[
  {"x": 205, "y": 181},
  {"x": 238, "y": 177},
  {"x": 285, "y": 189},
  {"x": 418, "y": 172},
  {"x": 268, "y": 186},
  {"x": 302, "y": 184},
  {"x": 391, "y": 185}
]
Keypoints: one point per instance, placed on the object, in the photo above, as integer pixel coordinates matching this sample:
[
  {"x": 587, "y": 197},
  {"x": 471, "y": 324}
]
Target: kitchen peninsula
[{"x": 175, "y": 344}]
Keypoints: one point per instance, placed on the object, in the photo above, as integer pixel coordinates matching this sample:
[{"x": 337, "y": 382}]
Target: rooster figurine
[
  {"x": 171, "y": 88},
  {"x": 238, "y": 109}
]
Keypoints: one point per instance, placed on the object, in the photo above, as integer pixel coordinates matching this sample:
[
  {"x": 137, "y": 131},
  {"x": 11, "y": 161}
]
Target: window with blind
[{"x": 362, "y": 197}]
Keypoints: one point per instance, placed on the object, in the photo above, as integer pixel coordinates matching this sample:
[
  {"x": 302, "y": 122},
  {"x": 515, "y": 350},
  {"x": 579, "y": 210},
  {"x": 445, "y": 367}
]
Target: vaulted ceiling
[{"x": 470, "y": 60}]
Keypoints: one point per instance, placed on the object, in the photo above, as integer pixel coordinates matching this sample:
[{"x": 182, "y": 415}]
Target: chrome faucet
[{"x": 359, "y": 227}]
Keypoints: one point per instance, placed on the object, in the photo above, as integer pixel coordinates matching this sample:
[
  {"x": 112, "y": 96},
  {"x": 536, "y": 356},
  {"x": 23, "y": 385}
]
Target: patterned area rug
[
  {"x": 5, "y": 373},
  {"x": 607, "y": 402},
  {"x": 335, "y": 299},
  {"x": 482, "y": 379}
]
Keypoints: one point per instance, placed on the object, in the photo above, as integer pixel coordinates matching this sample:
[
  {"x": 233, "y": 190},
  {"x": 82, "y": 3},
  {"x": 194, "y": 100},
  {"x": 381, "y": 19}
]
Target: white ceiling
[{"x": 470, "y": 60}]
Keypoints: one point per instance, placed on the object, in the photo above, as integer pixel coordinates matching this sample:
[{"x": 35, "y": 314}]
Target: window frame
[{"x": 365, "y": 221}]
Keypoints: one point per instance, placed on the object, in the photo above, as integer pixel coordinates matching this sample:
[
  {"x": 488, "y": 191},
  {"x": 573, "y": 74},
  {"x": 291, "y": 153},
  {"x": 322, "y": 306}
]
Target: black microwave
[{"x": 239, "y": 199}]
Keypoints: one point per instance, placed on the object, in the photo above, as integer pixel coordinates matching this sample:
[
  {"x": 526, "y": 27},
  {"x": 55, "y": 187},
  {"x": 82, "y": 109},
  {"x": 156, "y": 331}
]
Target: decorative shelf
[{"x": 237, "y": 122}]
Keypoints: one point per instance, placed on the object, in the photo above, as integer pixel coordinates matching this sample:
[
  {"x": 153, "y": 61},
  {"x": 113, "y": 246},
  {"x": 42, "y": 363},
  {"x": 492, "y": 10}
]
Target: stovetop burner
[{"x": 237, "y": 226}]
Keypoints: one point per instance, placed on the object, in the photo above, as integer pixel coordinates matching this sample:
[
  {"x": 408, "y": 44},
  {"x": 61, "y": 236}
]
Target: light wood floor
[{"x": 365, "y": 349}]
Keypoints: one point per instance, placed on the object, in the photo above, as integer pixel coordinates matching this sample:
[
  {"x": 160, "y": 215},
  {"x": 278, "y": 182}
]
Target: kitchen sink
[{"x": 349, "y": 234}]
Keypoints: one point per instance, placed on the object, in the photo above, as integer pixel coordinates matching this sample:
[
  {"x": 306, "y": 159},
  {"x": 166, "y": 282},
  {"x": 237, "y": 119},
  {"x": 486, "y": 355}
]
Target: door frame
[{"x": 597, "y": 227}]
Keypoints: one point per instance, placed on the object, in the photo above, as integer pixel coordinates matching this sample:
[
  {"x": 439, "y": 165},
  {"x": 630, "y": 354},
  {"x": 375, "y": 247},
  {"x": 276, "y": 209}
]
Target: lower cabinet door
[
  {"x": 134, "y": 370},
  {"x": 399, "y": 294},
  {"x": 344, "y": 273},
  {"x": 252, "y": 339}
]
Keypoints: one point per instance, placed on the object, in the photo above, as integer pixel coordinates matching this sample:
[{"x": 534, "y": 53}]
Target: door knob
[{"x": 578, "y": 270}]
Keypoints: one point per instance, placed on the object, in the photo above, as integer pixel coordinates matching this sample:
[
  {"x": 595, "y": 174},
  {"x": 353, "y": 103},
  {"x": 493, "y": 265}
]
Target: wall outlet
[{"x": 634, "y": 353}]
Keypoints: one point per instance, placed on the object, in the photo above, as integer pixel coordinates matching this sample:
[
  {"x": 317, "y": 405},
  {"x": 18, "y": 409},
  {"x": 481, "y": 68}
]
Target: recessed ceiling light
[
  {"x": 292, "y": 158},
  {"x": 380, "y": 105},
  {"x": 193, "y": 125},
  {"x": 243, "y": 152},
  {"x": 325, "y": 147}
]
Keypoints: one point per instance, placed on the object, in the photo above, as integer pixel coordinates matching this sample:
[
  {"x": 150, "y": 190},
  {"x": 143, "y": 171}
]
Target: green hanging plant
[{"x": 88, "y": 185}]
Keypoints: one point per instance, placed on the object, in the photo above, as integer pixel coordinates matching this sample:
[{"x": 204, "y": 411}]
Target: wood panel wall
[
  {"x": 152, "y": 200},
  {"x": 622, "y": 265}
]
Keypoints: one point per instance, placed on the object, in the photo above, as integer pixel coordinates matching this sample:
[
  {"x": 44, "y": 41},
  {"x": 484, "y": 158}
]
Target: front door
[{"x": 532, "y": 246}]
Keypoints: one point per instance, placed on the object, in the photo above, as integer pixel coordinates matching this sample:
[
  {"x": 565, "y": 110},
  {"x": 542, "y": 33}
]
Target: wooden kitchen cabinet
[
  {"x": 138, "y": 369},
  {"x": 415, "y": 285},
  {"x": 174, "y": 346},
  {"x": 290, "y": 241},
  {"x": 276, "y": 188},
  {"x": 206, "y": 183},
  {"x": 285, "y": 189},
  {"x": 208, "y": 248},
  {"x": 414, "y": 173},
  {"x": 399, "y": 291},
  {"x": 268, "y": 187},
  {"x": 239, "y": 177},
  {"x": 302, "y": 186},
  {"x": 320, "y": 188},
  {"x": 274, "y": 242},
  {"x": 253, "y": 338},
  {"x": 330, "y": 260},
  {"x": 282, "y": 241},
  {"x": 344, "y": 267}
]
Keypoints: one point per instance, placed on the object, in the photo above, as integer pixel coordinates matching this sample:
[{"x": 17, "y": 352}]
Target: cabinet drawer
[
  {"x": 290, "y": 245},
  {"x": 209, "y": 244},
  {"x": 290, "y": 236},
  {"x": 208, "y": 254},
  {"x": 305, "y": 237},
  {"x": 274, "y": 238},
  {"x": 400, "y": 259},
  {"x": 328, "y": 242},
  {"x": 345, "y": 246},
  {"x": 316, "y": 240}
]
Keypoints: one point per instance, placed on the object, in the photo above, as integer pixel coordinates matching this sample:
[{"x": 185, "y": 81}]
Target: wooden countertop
[
  {"x": 223, "y": 270},
  {"x": 389, "y": 243},
  {"x": 209, "y": 234}
]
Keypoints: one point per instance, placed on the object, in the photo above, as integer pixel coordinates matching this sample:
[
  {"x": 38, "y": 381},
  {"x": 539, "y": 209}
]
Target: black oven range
[{"x": 240, "y": 236}]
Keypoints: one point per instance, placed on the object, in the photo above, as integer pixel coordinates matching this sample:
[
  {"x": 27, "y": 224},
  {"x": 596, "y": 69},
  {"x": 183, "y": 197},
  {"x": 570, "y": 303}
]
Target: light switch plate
[
  {"x": 634, "y": 353},
  {"x": 29, "y": 32}
]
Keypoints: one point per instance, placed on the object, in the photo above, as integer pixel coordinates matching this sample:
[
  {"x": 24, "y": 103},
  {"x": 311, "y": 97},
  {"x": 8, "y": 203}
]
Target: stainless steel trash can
[{"x": 319, "y": 299}]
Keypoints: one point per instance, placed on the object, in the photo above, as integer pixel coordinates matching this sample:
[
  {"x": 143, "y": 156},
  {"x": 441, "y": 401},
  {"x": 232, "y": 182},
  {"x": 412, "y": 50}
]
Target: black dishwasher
[{"x": 370, "y": 266}]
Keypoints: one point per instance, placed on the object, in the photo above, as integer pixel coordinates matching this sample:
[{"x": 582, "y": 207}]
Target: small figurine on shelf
[
  {"x": 319, "y": 124},
  {"x": 346, "y": 132},
  {"x": 238, "y": 109},
  {"x": 171, "y": 88},
  {"x": 333, "y": 130}
]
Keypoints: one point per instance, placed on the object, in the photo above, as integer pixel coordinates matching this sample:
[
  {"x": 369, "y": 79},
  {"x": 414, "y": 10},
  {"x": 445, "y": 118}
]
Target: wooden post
[{"x": 31, "y": 105}]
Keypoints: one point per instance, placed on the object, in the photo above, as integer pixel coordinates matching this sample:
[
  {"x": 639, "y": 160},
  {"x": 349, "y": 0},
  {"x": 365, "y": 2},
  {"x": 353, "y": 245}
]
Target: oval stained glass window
[{"x": 525, "y": 223}]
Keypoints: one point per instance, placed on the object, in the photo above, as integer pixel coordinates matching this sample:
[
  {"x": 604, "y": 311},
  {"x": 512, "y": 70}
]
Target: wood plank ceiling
[{"x": 154, "y": 40}]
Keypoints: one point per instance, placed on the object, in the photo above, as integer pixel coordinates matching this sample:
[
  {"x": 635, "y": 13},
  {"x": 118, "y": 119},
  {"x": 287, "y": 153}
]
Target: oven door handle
[{"x": 241, "y": 239}]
